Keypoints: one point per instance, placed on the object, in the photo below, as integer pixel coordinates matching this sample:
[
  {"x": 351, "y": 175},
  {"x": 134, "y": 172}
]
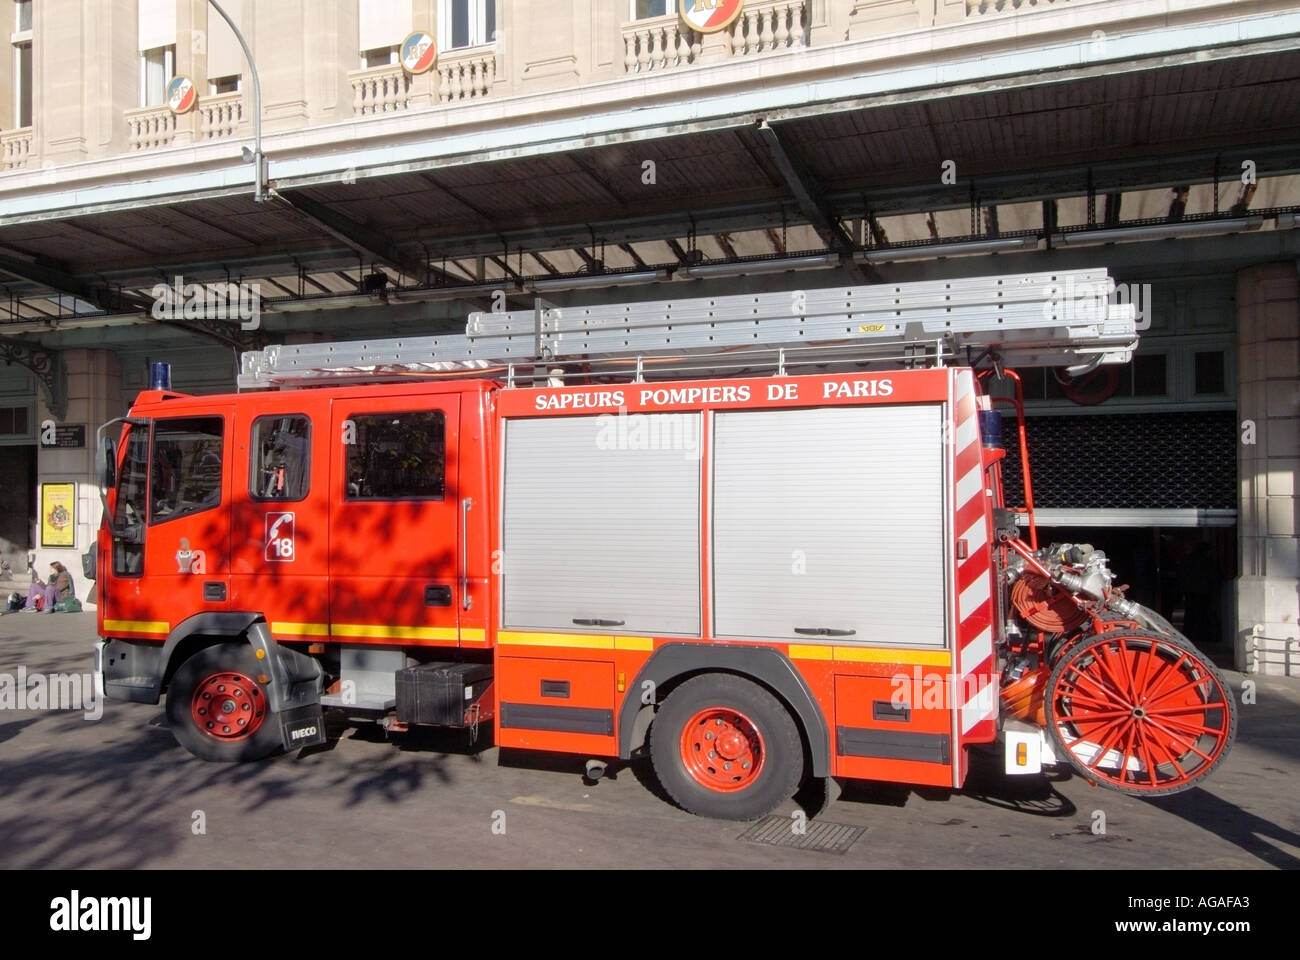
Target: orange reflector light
[
  {"x": 263, "y": 678},
  {"x": 1022, "y": 754},
  {"x": 622, "y": 682},
  {"x": 315, "y": 648},
  {"x": 261, "y": 654}
]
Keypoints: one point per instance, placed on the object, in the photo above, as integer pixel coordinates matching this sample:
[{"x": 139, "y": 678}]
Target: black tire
[
  {"x": 780, "y": 747},
  {"x": 1219, "y": 704},
  {"x": 231, "y": 658}
]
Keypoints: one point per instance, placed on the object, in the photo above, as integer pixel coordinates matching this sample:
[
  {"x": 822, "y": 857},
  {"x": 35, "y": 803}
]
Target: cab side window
[
  {"x": 281, "y": 458},
  {"x": 397, "y": 456},
  {"x": 186, "y": 470}
]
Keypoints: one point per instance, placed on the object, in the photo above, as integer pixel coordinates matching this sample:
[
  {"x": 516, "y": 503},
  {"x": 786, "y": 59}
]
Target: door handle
[
  {"x": 597, "y": 622},
  {"x": 824, "y": 632},
  {"x": 466, "y": 600},
  {"x": 437, "y": 595}
]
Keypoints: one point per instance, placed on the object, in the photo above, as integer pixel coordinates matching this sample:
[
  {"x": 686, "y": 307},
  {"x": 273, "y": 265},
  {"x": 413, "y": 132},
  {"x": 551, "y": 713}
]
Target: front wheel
[
  {"x": 218, "y": 710},
  {"x": 1141, "y": 713},
  {"x": 725, "y": 747}
]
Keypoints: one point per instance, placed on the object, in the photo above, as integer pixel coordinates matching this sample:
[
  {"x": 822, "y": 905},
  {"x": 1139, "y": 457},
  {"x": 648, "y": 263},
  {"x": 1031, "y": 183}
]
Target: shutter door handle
[
  {"x": 824, "y": 632},
  {"x": 597, "y": 622}
]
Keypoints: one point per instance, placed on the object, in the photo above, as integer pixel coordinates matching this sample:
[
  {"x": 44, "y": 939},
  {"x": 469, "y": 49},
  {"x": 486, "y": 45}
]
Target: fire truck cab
[{"x": 754, "y": 579}]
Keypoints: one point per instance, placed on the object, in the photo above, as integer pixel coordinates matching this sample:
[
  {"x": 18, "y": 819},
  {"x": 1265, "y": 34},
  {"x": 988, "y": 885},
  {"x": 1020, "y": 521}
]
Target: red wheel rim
[
  {"x": 1140, "y": 712},
  {"x": 228, "y": 707},
  {"x": 722, "y": 749}
]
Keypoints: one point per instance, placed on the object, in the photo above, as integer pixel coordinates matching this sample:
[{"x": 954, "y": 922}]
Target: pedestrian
[{"x": 59, "y": 589}]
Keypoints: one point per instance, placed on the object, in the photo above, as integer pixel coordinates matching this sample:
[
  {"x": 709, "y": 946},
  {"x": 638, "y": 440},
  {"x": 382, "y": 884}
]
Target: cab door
[
  {"x": 279, "y": 539},
  {"x": 394, "y": 520},
  {"x": 187, "y": 540}
]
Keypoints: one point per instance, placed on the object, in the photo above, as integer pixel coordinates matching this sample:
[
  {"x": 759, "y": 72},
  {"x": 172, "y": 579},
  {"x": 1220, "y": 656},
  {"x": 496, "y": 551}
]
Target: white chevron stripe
[
  {"x": 977, "y": 651},
  {"x": 975, "y": 537},
  {"x": 979, "y": 706},
  {"x": 969, "y": 486},
  {"x": 965, "y": 434},
  {"x": 973, "y": 596}
]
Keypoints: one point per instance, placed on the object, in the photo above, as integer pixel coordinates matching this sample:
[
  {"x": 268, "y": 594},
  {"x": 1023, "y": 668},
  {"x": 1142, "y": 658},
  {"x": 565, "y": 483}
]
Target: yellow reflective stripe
[
  {"x": 516, "y": 638},
  {"x": 825, "y": 651},
  {"x": 801, "y": 651},
  {"x": 377, "y": 630},
  {"x": 139, "y": 626},
  {"x": 934, "y": 658},
  {"x": 302, "y": 629},
  {"x": 394, "y": 633},
  {"x": 634, "y": 643}
]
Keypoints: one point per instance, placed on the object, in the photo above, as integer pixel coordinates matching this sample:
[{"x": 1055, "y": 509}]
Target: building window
[
  {"x": 379, "y": 57},
  {"x": 222, "y": 85},
  {"x": 466, "y": 23},
  {"x": 157, "y": 67},
  {"x": 15, "y": 422},
  {"x": 1210, "y": 372},
  {"x": 1150, "y": 377},
  {"x": 22, "y": 43},
  {"x": 645, "y": 9}
]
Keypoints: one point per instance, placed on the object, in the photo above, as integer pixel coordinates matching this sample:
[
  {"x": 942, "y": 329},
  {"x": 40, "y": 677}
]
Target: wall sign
[
  {"x": 58, "y": 514},
  {"x": 66, "y": 436}
]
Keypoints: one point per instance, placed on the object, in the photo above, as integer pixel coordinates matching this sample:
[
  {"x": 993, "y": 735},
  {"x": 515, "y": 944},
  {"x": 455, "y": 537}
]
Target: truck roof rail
[{"x": 1051, "y": 319}]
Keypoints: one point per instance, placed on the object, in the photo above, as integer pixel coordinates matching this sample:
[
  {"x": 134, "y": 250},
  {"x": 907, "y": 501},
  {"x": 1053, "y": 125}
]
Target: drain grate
[{"x": 778, "y": 831}]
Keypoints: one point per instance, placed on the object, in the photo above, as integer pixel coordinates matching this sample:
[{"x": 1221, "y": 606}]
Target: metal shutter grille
[
  {"x": 599, "y": 533},
  {"x": 1128, "y": 461},
  {"x": 857, "y": 494}
]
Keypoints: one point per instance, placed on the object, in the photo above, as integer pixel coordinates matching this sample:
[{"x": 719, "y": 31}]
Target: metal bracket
[
  {"x": 224, "y": 333},
  {"x": 47, "y": 365}
]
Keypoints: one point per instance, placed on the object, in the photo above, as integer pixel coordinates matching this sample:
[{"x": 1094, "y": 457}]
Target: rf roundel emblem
[
  {"x": 279, "y": 536},
  {"x": 417, "y": 52},
  {"x": 181, "y": 94},
  {"x": 709, "y": 16}
]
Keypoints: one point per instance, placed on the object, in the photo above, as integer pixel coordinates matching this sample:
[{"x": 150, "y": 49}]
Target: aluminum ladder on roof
[{"x": 1022, "y": 320}]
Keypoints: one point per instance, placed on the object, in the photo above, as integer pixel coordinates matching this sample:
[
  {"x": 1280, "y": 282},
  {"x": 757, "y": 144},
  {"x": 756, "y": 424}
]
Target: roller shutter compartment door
[
  {"x": 830, "y": 518},
  {"x": 599, "y": 527}
]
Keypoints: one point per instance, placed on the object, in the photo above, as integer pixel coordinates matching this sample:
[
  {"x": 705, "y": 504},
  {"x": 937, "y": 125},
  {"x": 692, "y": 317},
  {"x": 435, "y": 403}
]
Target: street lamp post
[{"x": 258, "y": 158}]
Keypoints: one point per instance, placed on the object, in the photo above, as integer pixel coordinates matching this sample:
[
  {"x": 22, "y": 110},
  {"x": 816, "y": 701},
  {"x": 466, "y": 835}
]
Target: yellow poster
[{"x": 58, "y": 514}]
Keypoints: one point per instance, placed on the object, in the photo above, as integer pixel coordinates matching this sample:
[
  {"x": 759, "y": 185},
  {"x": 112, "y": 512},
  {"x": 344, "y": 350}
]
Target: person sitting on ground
[
  {"x": 60, "y": 588},
  {"x": 35, "y": 593}
]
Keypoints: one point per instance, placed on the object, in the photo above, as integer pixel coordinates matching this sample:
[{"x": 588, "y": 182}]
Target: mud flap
[{"x": 302, "y": 726}]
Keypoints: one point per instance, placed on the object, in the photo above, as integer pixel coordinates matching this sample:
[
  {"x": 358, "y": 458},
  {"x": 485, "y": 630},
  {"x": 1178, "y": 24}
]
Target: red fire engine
[{"x": 612, "y": 531}]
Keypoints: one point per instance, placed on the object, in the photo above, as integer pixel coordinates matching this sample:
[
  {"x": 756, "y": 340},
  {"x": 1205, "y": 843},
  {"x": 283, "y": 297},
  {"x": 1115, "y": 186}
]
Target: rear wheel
[
  {"x": 725, "y": 747},
  {"x": 1141, "y": 713},
  {"x": 218, "y": 710}
]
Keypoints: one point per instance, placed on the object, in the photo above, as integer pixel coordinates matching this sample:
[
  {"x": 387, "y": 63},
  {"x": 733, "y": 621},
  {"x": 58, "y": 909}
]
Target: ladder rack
[{"x": 1024, "y": 320}]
